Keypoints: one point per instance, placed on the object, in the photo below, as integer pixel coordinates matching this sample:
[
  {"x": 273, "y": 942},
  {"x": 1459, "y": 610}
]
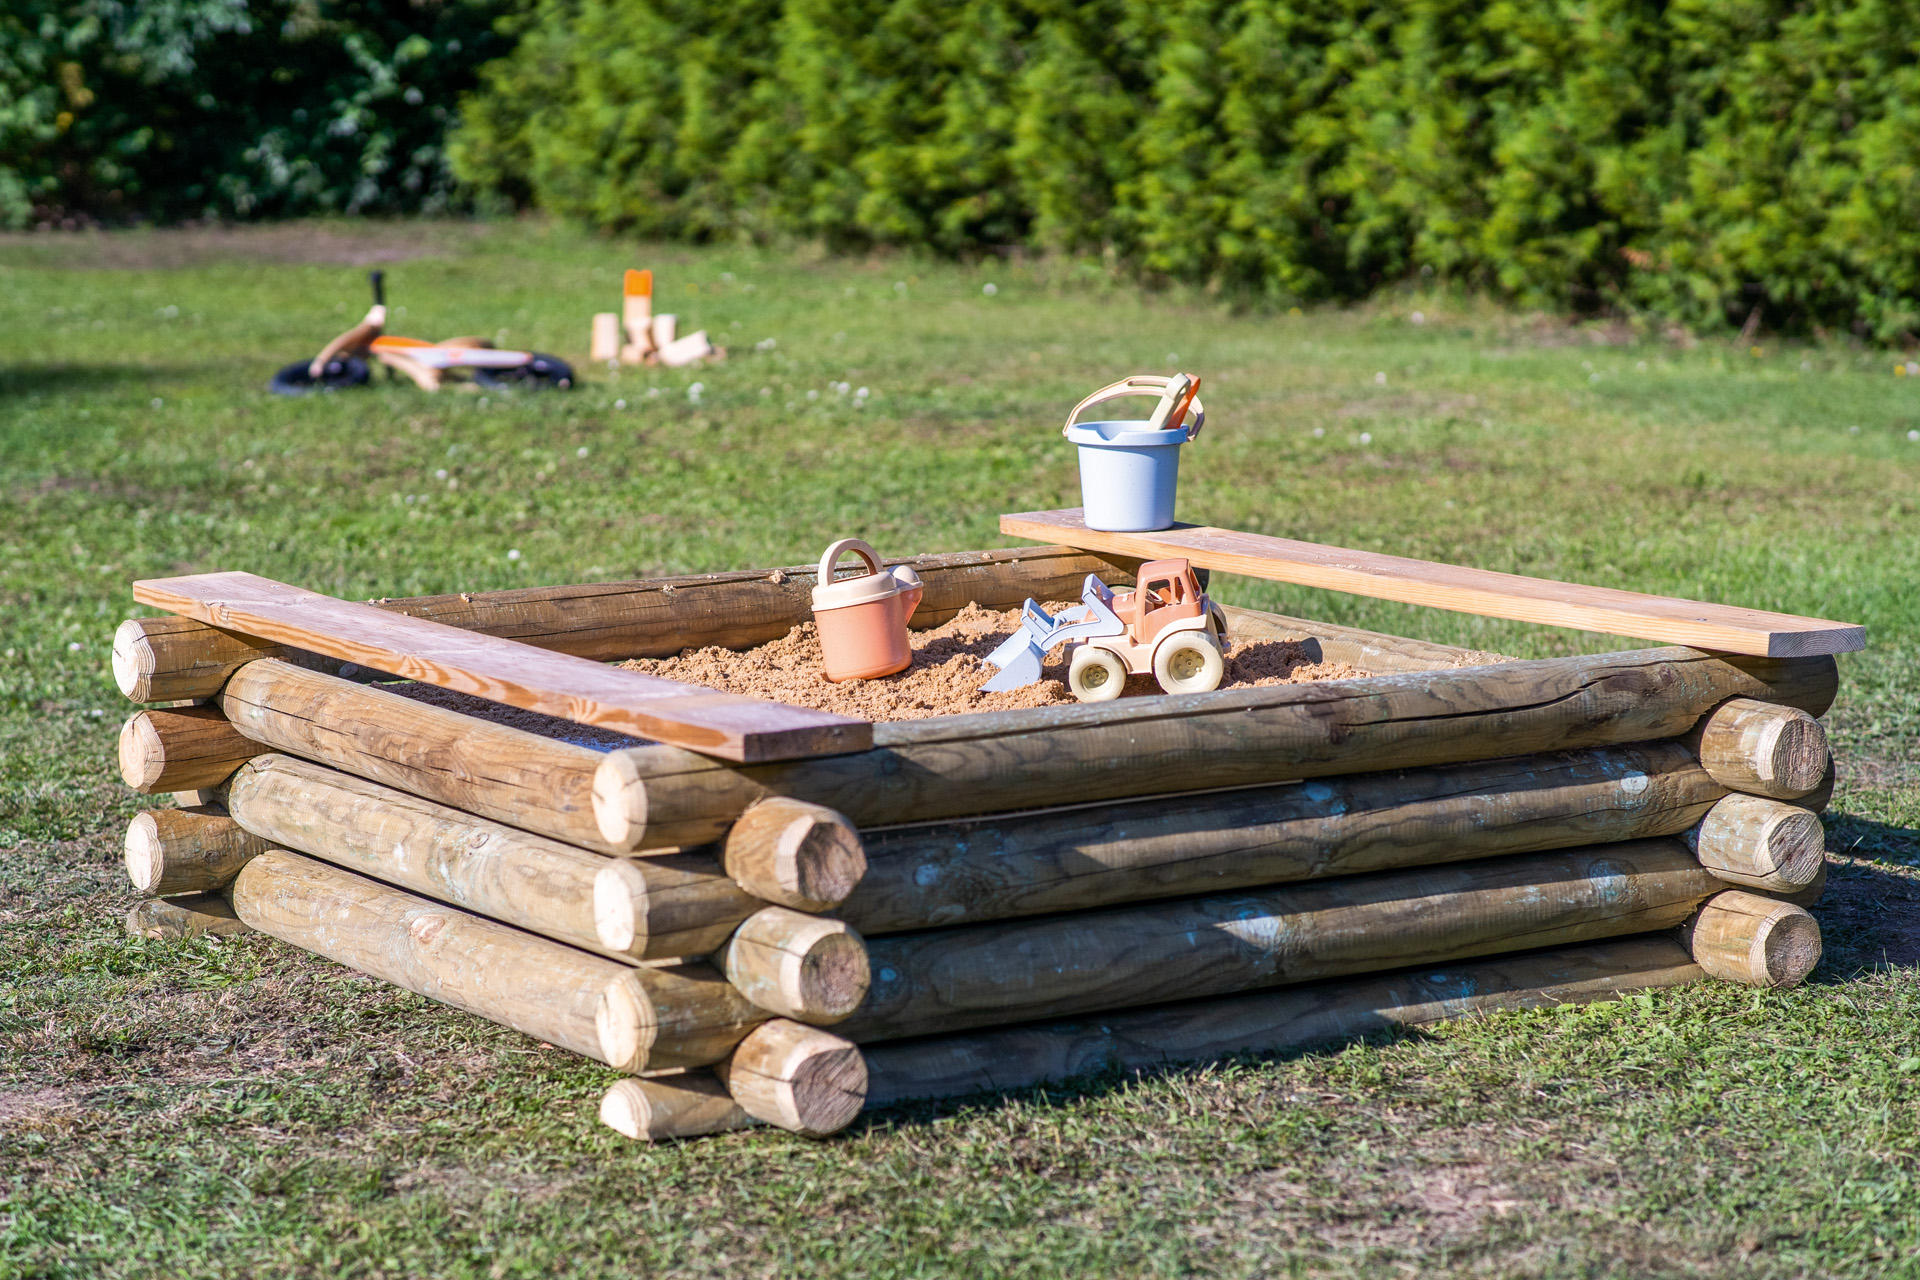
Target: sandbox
[{"x": 1360, "y": 831}]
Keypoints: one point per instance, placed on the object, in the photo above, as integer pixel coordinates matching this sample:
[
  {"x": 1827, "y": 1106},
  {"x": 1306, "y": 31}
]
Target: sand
[{"x": 949, "y": 666}]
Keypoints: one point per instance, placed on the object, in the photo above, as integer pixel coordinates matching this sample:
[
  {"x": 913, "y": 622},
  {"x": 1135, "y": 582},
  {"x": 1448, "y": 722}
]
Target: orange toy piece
[{"x": 863, "y": 620}]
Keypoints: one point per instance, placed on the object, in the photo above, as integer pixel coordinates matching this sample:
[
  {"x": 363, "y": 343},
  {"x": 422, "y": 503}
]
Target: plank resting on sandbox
[
  {"x": 1726, "y": 628},
  {"x": 748, "y": 730}
]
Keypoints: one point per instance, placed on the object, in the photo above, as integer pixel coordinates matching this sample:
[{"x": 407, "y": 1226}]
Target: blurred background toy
[
  {"x": 635, "y": 335},
  {"x": 343, "y": 362}
]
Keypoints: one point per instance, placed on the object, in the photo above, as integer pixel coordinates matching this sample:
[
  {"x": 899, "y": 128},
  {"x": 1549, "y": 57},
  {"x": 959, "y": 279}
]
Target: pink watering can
[{"x": 863, "y": 620}]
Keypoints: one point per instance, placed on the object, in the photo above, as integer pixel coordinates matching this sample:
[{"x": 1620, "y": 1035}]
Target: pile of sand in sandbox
[{"x": 949, "y": 666}]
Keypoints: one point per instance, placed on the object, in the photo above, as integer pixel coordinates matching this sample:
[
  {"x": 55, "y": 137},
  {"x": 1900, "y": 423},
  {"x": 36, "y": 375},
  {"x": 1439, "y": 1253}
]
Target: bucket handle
[
  {"x": 1143, "y": 384},
  {"x": 840, "y": 548}
]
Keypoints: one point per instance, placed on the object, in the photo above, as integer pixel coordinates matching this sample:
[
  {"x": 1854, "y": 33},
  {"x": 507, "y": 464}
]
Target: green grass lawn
[{"x": 238, "y": 1108}]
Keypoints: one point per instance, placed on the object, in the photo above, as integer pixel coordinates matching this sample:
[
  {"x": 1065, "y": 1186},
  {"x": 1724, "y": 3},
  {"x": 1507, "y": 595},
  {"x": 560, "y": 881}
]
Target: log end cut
[
  {"x": 620, "y": 801},
  {"x": 1761, "y": 843},
  {"x": 800, "y": 855},
  {"x": 1764, "y": 749},
  {"x": 177, "y": 919},
  {"x": 798, "y": 1077},
  {"x": 1746, "y": 938},
  {"x": 179, "y": 748},
  {"x": 798, "y": 966},
  {"x": 689, "y": 1105}
]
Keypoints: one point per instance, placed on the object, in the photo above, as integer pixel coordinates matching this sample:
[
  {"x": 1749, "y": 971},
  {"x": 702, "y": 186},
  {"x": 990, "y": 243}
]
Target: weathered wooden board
[
  {"x": 748, "y": 730},
  {"x": 1726, "y": 628}
]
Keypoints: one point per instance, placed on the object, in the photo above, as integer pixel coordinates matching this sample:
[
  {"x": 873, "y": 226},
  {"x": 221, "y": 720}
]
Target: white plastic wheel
[
  {"x": 1189, "y": 662},
  {"x": 1096, "y": 675}
]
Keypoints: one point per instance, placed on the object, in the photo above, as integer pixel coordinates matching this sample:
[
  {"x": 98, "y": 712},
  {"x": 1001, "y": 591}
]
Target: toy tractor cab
[
  {"x": 1165, "y": 625},
  {"x": 1169, "y": 628}
]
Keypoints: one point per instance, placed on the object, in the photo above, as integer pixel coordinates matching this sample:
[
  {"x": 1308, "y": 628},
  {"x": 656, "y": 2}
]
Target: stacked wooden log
[{"x": 978, "y": 901}]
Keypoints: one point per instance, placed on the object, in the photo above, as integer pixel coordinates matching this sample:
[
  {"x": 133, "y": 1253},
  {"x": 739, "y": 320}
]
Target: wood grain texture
[
  {"x": 611, "y": 621},
  {"x": 1768, "y": 750},
  {"x": 942, "y": 874},
  {"x": 964, "y": 766},
  {"x": 506, "y": 671},
  {"x": 688, "y": 1104},
  {"x": 509, "y": 775},
  {"x": 800, "y": 855},
  {"x": 798, "y": 966},
  {"x": 1753, "y": 939},
  {"x": 797, "y": 1077},
  {"x": 1373, "y": 652},
  {"x": 949, "y": 980},
  {"x": 164, "y": 659},
  {"x": 677, "y": 904},
  {"x": 531, "y": 984},
  {"x": 1806, "y": 898},
  {"x": 179, "y": 748},
  {"x": 1726, "y": 628},
  {"x": 190, "y": 916},
  {"x": 1268, "y": 1022},
  {"x": 1760, "y": 843},
  {"x": 629, "y": 1018},
  {"x": 195, "y": 850}
]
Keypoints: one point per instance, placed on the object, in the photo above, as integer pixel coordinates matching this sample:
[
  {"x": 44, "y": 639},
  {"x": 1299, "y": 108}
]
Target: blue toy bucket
[
  {"x": 1127, "y": 476},
  {"x": 1129, "y": 471}
]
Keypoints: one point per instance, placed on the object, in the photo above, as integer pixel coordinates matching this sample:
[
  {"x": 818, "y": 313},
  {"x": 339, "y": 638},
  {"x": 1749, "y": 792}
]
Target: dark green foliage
[
  {"x": 1686, "y": 160},
  {"x": 165, "y": 109}
]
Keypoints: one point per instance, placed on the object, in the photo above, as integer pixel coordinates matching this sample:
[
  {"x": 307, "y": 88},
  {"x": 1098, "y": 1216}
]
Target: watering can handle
[
  {"x": 1141, "y": 384},
  {"x": 840, "y": 548}
]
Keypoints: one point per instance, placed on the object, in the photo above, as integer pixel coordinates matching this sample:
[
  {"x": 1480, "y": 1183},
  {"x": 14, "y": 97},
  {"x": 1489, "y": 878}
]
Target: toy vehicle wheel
[
  {"x": 1189, "y": 662},
  {"x": 539, "y": 373},
  {"x": 297, "y": 378},
  {"x": 1096, "y": 675}
]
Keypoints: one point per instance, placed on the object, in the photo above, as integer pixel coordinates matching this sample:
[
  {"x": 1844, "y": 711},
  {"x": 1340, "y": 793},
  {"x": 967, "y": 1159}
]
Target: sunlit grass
[{"x": 237, "y": 1108}]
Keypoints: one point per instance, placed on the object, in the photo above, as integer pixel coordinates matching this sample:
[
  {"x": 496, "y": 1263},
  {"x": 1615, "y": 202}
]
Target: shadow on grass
[
  {"x": 1870, "y": 915},
  {"x": 19, "y": 381}
]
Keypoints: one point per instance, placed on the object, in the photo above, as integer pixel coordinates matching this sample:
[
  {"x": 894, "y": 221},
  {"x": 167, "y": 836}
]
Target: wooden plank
[
  {"x": 748, "y": 730},
  {"x": 1726, "y": 628}
]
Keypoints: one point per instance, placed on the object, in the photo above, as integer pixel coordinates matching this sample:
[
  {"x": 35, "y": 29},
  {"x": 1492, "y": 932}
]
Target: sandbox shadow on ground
[{"x": 1870, "y": 915}]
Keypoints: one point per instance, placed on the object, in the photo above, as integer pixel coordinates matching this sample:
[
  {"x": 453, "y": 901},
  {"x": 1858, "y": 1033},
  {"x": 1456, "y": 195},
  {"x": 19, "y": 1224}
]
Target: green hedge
[
  {"x": 119, "y": 110},
  {"x": 1689, "y": 160}
]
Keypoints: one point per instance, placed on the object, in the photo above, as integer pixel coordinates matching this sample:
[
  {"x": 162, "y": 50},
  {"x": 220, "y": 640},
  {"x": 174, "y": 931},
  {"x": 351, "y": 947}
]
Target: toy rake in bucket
[{"x": 1130, "y": 469}]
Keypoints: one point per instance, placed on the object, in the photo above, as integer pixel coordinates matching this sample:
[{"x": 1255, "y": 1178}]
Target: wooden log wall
[
  {"x": 964, "y": 766},
  {"x": 666, "y": 906},
  {"x": 629, "y": 1018},
  {"x": 990, "y": 909},
  {"x": 982, "y": 975},
  {"x": 941, "y": 874}
]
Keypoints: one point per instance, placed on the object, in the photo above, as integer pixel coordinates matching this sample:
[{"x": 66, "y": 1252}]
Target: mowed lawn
[{"x": 236, "y": 1107}]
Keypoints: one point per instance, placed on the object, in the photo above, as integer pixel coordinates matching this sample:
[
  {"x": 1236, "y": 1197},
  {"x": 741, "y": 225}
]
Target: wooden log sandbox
[{"x": 762, "y": 913}]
